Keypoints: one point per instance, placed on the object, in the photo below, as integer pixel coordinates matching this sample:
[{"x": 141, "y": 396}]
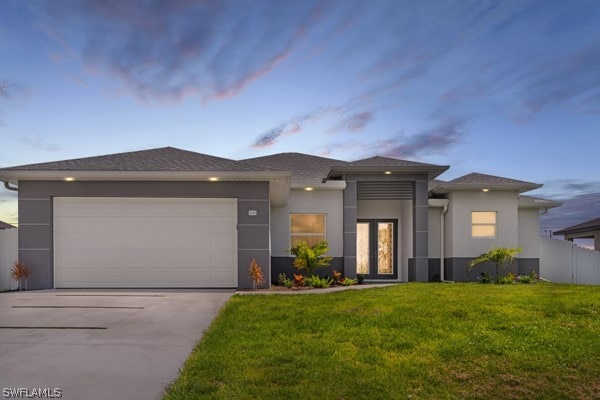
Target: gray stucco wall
[
  {"x": 36, "y": 221},
  {"x": 455, "y": 269}
]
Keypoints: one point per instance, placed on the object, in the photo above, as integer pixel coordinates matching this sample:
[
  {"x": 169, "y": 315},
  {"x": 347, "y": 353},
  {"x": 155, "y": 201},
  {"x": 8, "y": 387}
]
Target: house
[
  {"x": 4, "y": 225},
  {"x": 585, "y": 230},
  {"x": 173, "y": 218}
]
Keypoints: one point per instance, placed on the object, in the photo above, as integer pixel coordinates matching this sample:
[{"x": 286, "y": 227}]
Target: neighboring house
[
  {"x": 4, "y": 225},
  {"x": 585, "y": 230},
  {"x": 173, "y": 218}
]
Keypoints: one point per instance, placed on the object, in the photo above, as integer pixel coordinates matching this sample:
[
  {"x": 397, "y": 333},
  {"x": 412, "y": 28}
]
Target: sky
[{"x": 508, "y": 88}]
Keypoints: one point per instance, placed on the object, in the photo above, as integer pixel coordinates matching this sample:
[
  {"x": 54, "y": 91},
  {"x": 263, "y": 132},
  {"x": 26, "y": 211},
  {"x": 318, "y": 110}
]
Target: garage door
[{"x": 142, "y": 242}]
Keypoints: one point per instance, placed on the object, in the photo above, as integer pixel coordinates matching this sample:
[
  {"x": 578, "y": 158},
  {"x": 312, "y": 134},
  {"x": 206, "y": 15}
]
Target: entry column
[
  {"x": 420, "y": 232},
  {"x": 350, "y": 202}
]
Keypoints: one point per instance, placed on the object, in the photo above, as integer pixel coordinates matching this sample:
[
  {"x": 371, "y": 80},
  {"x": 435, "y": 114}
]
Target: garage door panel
[{"x": 124, "y": 242}]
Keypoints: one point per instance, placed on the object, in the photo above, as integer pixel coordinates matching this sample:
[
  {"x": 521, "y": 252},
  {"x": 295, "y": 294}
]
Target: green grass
[{"x": 413, "y": 341}]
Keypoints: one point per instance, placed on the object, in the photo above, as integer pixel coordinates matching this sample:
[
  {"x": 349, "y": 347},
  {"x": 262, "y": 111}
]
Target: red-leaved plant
[
  {"x": 299, "y": 280},
  {"x": 19, "y": 272},
  {"x": 256, "y": 274}
]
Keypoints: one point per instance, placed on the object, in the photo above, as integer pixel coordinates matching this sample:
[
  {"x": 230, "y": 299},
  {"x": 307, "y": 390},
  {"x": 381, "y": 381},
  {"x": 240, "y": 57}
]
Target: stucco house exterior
[{"x": 173, "y": 218}]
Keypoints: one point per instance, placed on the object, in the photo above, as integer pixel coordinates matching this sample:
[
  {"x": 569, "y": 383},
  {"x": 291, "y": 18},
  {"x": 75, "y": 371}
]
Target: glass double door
[{"x": 376, "y": 253}]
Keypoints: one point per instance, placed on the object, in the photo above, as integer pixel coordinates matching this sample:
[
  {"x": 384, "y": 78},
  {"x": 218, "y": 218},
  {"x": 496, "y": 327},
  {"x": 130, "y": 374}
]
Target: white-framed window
[
  {"x": 484, "y": 224},
  {"x": 307, "y": 227}
]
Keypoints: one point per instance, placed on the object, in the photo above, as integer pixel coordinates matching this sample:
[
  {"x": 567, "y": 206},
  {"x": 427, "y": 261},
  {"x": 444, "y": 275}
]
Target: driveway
[{"x": 101, "y": 344}]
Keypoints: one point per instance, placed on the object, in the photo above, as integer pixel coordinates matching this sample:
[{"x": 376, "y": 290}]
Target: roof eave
[
  {"x": 13, "y": 176},
  {"x": 450, "y": 187},
  {"x": 545, "y": 204},
  {"x": 577, "y": 230},
  {"x": 329, "y": 185},
  {"x": 432, "y": 171}
]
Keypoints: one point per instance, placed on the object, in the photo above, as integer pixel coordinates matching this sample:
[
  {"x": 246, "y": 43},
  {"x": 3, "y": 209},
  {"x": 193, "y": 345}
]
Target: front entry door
[{"x": 376, "y": 253}]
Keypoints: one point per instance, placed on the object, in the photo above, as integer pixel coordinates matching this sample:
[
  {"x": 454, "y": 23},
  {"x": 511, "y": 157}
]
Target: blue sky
[{"x": 507, "y": 88}]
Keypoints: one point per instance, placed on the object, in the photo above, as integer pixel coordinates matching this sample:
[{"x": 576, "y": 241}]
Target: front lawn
[{"x": 411, "y": 341}]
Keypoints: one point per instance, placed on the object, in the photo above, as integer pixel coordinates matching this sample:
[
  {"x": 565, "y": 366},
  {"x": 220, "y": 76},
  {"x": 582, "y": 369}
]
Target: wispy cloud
[
  {"x": 353, "y": 122},
  {"x": 10, "y": 89},
  {"x": 581, "y": 202},
  {"x": 292, "y": 126},
  {"x": 574, "y": 210},
  {"x": 169, "y": 50},
  {"x": 9, "y": 92},
  {"x": 37, "y": 143},
  {"x": 438, "y": 139},
  {"x": 575, "y": 77}
]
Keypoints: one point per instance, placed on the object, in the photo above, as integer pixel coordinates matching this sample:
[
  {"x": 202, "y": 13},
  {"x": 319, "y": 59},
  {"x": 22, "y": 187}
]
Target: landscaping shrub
[
  {"x": 256, "y": 274},
  {"x": 308, "y": 258},
  {"x": 318, "y": 282},
  {"x": 283, "y": 280}
]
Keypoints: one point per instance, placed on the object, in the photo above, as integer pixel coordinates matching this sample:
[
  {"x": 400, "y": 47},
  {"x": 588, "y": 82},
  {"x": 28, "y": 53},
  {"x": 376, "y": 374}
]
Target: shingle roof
[
  {"x": 483, "y": 179},
  {"x": 379, "y": 161},
  {"x": 4, "y": 225},
  {"x": 432, "y": 184},
  {"x": 591, "y": 225},
  {"x": 306, "y": 169},
  {"x": 161, "y": 159}
]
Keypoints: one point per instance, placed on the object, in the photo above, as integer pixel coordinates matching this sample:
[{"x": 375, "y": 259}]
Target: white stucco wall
[
  {"x": 529, "y": 239},
  {"x": 329, "y": 202},
  {"x": 458, "y": 222},
  {"x": 393, "y": 209}
]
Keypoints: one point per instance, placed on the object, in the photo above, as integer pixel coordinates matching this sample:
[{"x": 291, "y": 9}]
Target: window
[
  {"x": 483, "y": 224},
  {"x": 307, "y": 227}
]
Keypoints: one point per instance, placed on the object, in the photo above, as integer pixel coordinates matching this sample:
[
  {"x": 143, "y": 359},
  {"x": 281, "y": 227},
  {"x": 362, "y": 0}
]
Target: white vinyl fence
[
  {"x": 564, "y": 262},
  {"x": 9, "y": 252}
]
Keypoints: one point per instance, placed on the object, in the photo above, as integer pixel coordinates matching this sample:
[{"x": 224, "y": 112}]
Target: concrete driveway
[{"x": 101, "y": 344}]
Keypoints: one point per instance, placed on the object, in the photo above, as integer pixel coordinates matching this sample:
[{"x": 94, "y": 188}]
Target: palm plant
[{"x": 502, "y": 258}]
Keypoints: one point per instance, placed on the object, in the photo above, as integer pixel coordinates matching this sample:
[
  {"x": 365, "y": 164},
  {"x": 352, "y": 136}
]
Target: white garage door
[{"x": 143, "y": 242}]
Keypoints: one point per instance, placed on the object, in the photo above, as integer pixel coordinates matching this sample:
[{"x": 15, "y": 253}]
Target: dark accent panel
[
  {"x": 35, "y": 237},
  {"x": 434, "y": 270},
  {"x": 262, "y": 212},
  {"x": 286, "y": 265},
  {"x": 526, "y": 265},
  {"x": 411, "y": 269},
  {"x": 40, "y": 264},
  {"x": 456, "y": 269},
  {"x": 350, "y": 203},
  {"x": 35, "y": 211},
  {"x": 420, "y": 232},
  {"x": 396, "y": 190},
  {"x": 253, "y": 237},
  {"x": 263, "y": 259}
]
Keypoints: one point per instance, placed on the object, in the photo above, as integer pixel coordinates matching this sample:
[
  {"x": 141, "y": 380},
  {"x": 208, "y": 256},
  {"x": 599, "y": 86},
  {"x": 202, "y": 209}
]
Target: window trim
[
  {"x": 495, "y": 225},
  {"x": 290, "y": 234}
]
